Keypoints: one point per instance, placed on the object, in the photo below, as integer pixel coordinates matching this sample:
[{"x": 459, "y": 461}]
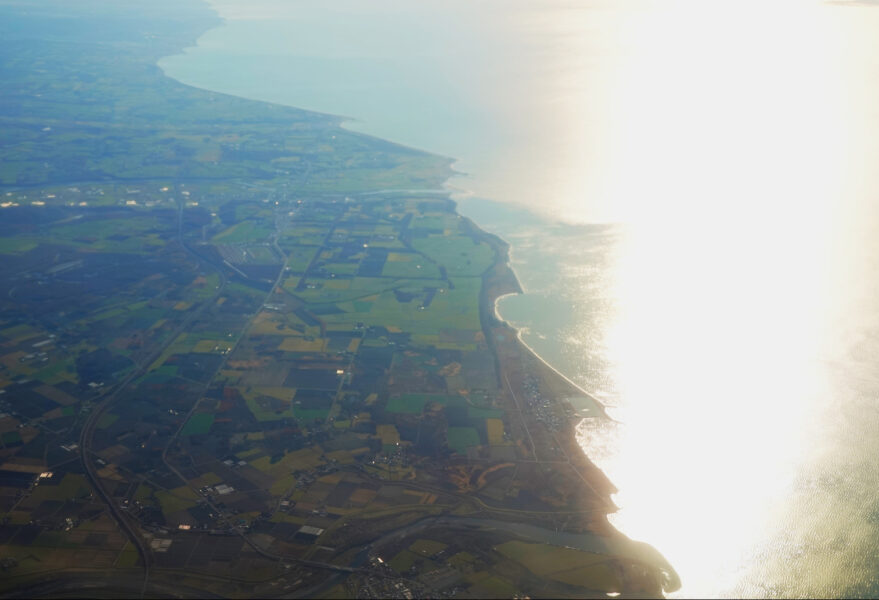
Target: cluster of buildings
[{"x": 543, "y": 408}]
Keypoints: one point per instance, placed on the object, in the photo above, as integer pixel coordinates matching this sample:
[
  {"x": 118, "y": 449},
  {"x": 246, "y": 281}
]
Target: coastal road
[{"x": 522, "y": 417}]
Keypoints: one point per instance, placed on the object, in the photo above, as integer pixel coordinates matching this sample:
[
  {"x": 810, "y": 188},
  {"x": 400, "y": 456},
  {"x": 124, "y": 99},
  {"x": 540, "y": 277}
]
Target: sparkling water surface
[{"x": 690, "y": 191}]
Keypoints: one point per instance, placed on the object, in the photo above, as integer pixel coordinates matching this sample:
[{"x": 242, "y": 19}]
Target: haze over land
[
  {"x": 226, "y": 348},
  {"x": 245, "y": 350}
]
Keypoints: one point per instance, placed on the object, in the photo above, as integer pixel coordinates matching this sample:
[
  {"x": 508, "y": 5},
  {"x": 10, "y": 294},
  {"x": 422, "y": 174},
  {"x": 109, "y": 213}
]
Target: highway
[{"x": 85, "y": 436}]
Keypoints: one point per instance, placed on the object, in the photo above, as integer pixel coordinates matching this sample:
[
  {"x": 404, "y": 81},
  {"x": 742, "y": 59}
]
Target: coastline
[
  {"x": 508, "y": 345},
  {"x": 495, "y": 313},
  {"x": 447, "y": 191},
  {"x": 600, "y": 405},
  {"x": 502, "y": 281}
]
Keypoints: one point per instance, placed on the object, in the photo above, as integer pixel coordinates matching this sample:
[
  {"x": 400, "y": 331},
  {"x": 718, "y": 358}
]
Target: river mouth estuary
[{"x": 689, "y": 194}]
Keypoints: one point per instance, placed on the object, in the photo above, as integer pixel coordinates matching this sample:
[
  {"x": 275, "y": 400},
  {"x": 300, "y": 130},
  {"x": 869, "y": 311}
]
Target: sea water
[{"x": 690, "y": 196}]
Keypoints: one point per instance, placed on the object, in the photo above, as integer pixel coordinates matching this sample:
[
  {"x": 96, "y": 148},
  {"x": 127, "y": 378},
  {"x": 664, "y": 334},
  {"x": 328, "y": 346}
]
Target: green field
[
  {"x": 460, "y": 438},
  {"x": 575, "y": 567},
  {"x": 106, "y": 420},
  {"x": 451, "y": 310},
  {"x": 264, "y": 412},
  {"x": 427, "y": 547},
  {"x": 299, "y": 257},
  {"x": 198, "y": 424},
  {"x": 403, "y": 561},
  {"x": 142, "y": 231},
  {"x": 414, "y": 403},
  {"x": 244, "y": 232},
  {"x": 409, "y": 264},
  {"x": 16, "y": 245},
  {"x": 72, "y": 487},
  {"x": 175, "y": 500},
  {"x": 460, "y": 255}
]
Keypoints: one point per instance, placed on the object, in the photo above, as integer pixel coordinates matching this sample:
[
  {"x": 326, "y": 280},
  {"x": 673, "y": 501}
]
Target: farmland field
[{"x": 238, "y": 340}]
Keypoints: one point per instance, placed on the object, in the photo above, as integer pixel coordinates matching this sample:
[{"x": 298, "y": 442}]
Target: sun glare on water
[{"x": 727, "y": 153}]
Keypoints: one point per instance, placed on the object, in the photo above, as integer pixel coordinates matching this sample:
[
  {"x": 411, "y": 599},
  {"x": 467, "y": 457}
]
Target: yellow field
[
  {"x": 110, "y": 472},
  {"x": 71, "y": 487},
  {"x": 272, "y": 323},
  {"x": 280, "y": 486},
  {"x": 299, "y": 460},
  {"x": 113, "y": 452},
  {"x": 343, "y": 456},
  {"x": 388, "y": 434},
  {"x": 362, "y": 496},
  {"x": 206, "y": 479},
  {"x": 180, "y": 345},
  {"x": 19, "y": 333},
  {"x": 280, "y": 517},
  {"x": 495, "y": 429},
  {"x": 128, "y": 557},
  {"x": 423, "y": 497},
  {"x": 11, "y": 360},
  {"x": 571, "y": 566},
  {"x": 490, "y": 586},
  {"x": 143, "y": 493},
  {"x": 206, "y": 346},
  {"x": 338, "y": 284},
  {"x": 11, "y": 424},
  {"x": 279, "y": 393},
  {"x": 427, "y": 547},
  {"x": 176, "y": 500},
  {"x": 273, "y": 328},
  {"x": 56, "y": 395},
  {"x": 599, "y": 577},
  {"x": 462, "y": 559},
  {"x": 300, "y": 344},
  {"x": 332, "y": 478}
]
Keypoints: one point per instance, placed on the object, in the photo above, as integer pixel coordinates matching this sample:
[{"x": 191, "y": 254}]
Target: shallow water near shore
[{"x": 729, "y": 318}]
